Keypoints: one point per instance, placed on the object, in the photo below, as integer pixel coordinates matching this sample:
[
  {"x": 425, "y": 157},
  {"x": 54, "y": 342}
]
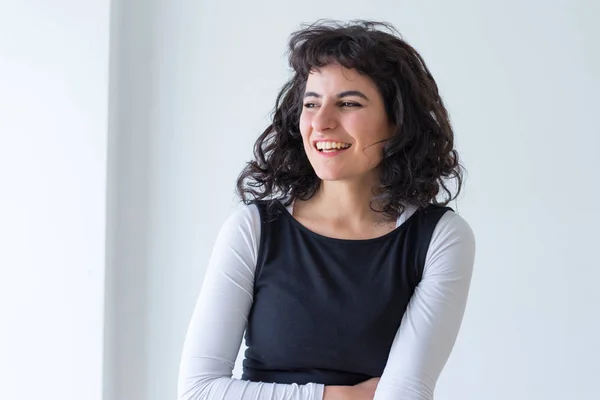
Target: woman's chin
[{"x": 331, "y": 176}]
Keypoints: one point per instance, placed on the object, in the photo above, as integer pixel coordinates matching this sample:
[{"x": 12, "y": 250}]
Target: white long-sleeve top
[{"x": 418, "y": 353}]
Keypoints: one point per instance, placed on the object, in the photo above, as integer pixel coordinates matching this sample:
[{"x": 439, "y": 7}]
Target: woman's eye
[{"x": 342, "y": 104}]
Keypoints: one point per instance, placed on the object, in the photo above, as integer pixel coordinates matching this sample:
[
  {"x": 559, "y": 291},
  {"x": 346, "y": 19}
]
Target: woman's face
[{"x": 342, "y": 123}]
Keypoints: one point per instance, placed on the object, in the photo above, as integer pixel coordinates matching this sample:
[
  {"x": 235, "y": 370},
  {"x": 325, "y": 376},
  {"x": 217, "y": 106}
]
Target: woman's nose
[{"x": 324, "y": 119}]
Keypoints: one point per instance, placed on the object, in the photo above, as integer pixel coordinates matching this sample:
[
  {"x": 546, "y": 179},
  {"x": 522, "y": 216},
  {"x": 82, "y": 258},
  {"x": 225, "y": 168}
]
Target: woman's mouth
[{"x": 331, "y": 147}]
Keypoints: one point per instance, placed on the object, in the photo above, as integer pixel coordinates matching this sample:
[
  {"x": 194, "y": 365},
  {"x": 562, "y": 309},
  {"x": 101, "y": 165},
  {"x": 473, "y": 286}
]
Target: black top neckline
[{"x": 391, "y": 233}]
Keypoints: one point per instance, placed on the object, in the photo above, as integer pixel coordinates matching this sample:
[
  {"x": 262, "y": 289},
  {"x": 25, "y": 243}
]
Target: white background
[
  {"x": 53, "y": 131},
  {"x": 153, "y": 152}
]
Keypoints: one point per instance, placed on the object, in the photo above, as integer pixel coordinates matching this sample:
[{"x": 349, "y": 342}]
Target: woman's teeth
[{"x": 331, "y": 146}]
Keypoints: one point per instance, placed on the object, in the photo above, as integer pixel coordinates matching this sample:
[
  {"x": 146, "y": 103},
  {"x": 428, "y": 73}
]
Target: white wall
[
  {"x": 129, "y": 221},
  {"x": 53, "y": 113}
]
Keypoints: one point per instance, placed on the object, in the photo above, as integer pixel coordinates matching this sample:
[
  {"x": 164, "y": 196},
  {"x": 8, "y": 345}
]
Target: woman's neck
[{"x": 344, "y": 202}]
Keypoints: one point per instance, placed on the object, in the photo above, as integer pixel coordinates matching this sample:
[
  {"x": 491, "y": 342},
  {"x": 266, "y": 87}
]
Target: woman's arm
[
  {"x": 217, "y": 326},
  {"x": 432, "y": 320}
]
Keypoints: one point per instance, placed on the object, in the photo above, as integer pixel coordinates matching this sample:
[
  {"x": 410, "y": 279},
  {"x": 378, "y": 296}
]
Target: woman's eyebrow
[
  {"x": 347, "y": 93},
  {"x": 356, "y": 93}
]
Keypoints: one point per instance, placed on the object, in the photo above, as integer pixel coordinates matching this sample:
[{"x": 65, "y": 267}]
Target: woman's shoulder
[
  {"x": 454, "y": 224},
  {"x": 452, "y": 247},
  {"x": 240, "y": 234},
  {"x": 448, "y": 222},
  {"x": 245, "y": 217}
]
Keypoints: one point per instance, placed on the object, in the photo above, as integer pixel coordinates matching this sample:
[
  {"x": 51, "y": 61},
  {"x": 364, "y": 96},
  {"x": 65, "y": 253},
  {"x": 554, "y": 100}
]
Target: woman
[{"x": 346, "y": 272}]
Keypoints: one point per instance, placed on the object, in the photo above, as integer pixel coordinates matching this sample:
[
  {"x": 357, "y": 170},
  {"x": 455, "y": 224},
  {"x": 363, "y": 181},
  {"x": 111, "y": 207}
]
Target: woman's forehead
[{"x": 335, "y": 76}]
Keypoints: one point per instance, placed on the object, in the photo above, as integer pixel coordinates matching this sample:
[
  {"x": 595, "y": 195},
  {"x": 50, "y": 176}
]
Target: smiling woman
[
  {"x": 384, "y": 93},
  {"x": 345, "y": 269},
  {"x": 354, "y": 118}
]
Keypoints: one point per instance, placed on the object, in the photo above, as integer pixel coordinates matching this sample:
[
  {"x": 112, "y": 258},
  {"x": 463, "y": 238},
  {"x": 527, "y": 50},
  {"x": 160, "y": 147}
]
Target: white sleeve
[
  {"x": 219, "y": 319},
  {"x": 433, "y": 317}
]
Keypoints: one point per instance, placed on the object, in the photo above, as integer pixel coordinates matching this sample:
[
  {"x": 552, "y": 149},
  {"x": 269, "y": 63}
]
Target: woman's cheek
[{"x": 304, "y": 125}]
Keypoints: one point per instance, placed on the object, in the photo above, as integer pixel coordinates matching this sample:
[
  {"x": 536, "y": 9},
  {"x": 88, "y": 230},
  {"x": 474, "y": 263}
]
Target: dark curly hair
[{"x": 417, "y": 160}]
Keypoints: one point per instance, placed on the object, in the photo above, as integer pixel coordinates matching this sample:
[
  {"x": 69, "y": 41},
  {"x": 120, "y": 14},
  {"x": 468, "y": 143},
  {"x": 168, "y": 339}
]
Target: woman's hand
[{"x": 363, "y": 391}]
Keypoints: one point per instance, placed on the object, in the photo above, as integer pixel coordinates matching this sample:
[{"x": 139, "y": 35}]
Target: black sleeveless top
[{"x": 327, "y": 310}]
